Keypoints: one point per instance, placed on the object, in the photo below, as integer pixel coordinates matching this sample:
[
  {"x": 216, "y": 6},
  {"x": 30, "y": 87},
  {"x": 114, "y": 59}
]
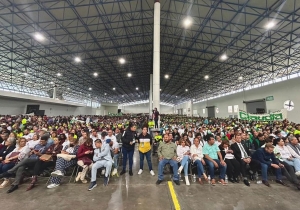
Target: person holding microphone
[{"x": 128, "y": 141}]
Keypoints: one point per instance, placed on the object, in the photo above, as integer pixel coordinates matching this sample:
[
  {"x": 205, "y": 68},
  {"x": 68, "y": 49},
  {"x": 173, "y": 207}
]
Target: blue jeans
[
  {"x": 264, "y": 172},
  {"x": 185, "y": 164},
  {"x": 211, "y": 168},
  {"x": 295, "y": 162},
  {"x": 200, "y": 169},
  {"x": 99, "y": 164},
  {"x": 6, "y": 167},
  {"x": 116, "y": 160},
  {"x": 127, "y": 153},
  {"x": 161, "y": 166},
  {"x": 148, "y": 157}
]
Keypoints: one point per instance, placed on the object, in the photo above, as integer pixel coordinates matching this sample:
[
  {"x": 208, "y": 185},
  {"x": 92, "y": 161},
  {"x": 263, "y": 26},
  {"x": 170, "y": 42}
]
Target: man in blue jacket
[
  {"x": 267, "y": 159},
  {"x": 102, "y": 158}
]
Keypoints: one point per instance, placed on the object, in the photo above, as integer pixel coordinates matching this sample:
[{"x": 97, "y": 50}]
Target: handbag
[
  {"x": 66, "y": 156},
  {"x": 46, "y": 157},
  {"x": 86, "y": 161}
]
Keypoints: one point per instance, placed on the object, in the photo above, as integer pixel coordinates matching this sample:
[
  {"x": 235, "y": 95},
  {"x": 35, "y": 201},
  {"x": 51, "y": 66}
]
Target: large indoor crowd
[{"x": 236, "y": 151}]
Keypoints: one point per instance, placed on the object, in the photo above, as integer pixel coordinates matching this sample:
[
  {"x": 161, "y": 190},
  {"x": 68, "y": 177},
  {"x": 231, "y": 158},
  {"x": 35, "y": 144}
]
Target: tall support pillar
[
  {"x": 151, "y": 95},
  {"x": 54, "y": 92},
  {"x": 156, "y": 56}
]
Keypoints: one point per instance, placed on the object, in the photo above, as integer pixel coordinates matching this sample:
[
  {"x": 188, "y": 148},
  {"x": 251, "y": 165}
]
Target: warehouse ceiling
[{"x": 77, "y": 46}]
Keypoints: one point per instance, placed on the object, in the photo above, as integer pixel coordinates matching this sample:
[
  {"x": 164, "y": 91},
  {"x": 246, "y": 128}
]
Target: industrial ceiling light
[
  {"x": 167, "y": 76},
  {"x": 114, "y": 88},
  {"x": 90, "y": 88},
  {"x": 95, "y": 74},
  {"x": 240, "y": 78},
  {"x": 187, "y": 22},
  {"x": 51, "y": 82},
  {"x": 186, "y": 90},
  {"x": 122, "y": 60},
  {"x": 105, "y": 94},
  {"x": 206, "y": 77},
  {"x": 224, "y": 57},
  {"x": 270, "y": 25},
  {"x": 39, "y": 37},
  {"x": 77, "y": 60},
  {"x": 68, "y": 88},
  {"x": 137, "y": 88},
  {"x": 59, "y": 74},
  {"x": 159, "y": 89},
  {"x": 129, "y": 74}
]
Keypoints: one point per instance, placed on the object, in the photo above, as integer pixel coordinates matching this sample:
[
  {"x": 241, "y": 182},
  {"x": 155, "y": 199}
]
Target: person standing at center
[
  {"x": 128, "y": 142},
  {"x": 155, "y": 117},
  {"x": 145, "y": 142}
]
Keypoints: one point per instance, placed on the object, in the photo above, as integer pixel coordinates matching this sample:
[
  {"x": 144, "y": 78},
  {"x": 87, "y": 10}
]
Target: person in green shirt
[
  {"x": 167, "y": 155},
  {"x": 211, "y": 153}
]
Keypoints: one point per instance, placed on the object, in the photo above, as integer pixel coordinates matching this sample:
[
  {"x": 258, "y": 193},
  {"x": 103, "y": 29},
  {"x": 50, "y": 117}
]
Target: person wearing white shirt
[
  {"x": 94, "y": 136},
  {"x": 35, "y": 140},
  {"x": 283, "y": 153},
  {"x": 183, "y": 156},
  {"x": 111, "y": 136},
  {"x": 116, "y": 150},
  {"x": 197, "y": 158}
]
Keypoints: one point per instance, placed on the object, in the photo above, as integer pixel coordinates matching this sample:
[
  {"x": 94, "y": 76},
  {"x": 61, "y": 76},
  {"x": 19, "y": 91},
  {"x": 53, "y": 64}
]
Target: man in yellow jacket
[{"x": 145, "y": 142}]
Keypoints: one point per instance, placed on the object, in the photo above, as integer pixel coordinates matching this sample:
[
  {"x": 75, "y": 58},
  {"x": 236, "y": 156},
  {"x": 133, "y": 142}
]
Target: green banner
[{"x": 260, "y": 117}]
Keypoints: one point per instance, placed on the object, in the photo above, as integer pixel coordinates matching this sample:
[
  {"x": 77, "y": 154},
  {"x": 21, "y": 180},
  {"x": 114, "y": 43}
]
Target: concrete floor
[{"x": 139, "y": 192}]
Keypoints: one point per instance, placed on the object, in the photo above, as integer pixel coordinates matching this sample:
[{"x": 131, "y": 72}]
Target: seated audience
[
  {"x": 18, "y": 169},
  {"x": 45, "y": 161},
  {"x": 267, "y": 159},
  {"x": 284, "y": 156},
  {"x": 197, "y": 158},
  {"x": 243, "y": 156},
  {"x": 167, "y": 155},
  {"x": 233, "y": 166},
  {"x": 259, "y": 141},
  {"x": 102, "y": 158},
  {"x": 18, "y": 154},
  {"x": 294, "y": 147},
  {"x": 9, "y": 146},
  {"x": 211, "y": 154},
  {"x": 85, "y": 159},
  {"x": 62, "y": 163},
  {"x": 183, "y": 157}
]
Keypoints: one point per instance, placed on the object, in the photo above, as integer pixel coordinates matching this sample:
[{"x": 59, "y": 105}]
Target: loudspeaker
[{"x": 119, "y": 110}]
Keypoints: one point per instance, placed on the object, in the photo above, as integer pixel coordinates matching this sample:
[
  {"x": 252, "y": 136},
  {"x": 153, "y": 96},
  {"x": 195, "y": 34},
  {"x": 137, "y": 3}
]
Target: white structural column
[
  {"x": 54, "y": 92},
  {"x": 189, "y": 111},
  {"x": 151, "y": 95},
  {"x": 156, "y": 56}
]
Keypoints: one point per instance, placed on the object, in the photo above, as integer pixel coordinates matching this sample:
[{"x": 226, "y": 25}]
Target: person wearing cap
[
  {"x": 102, "y": 158},
  {"x": 145, "y": 142}
]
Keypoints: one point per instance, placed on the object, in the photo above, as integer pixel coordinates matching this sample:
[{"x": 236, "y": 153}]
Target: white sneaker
[
  {"x": 115, "y": 171},
  {"x": 50, "y": 186},
  {"x": 187, "y": 181},
  {"x": 57, "y": 173},
  {"x": 297, "y": 173},
  {"x": 140, "y": 171},
  {"x": 180, "y": 169},
  {"x": 152, "y": 173}
]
